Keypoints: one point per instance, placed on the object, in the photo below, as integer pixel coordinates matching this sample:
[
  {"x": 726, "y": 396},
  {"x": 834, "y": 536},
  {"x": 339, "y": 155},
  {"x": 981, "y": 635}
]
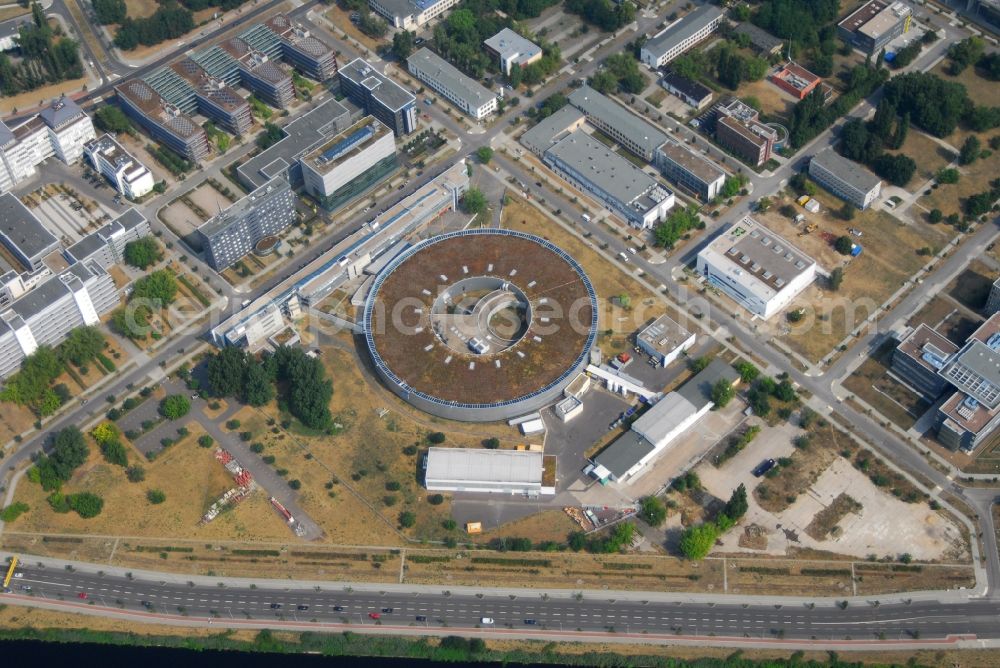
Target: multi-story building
[
  {"x": 162, "y": 121},
  {"x": 694, "y": 94},
  {"x": 233, "y": 233},
  {"x": 75, "y": 297},
  {"x": 129, "y": 176},
  {"x": 993, "y": 301},
  {"x": 751, "y": 141},
  {"x": 302, "y": 50},
  {"x": 268, "y": 79},
  {"x": 873, "y": 25},
  {"x": 664, "y": 340},
  {"x": 462, "y": 91},
  {"x": 919, "y": 358},
  {"x": 627, "y": 190},
  {"x": 106, "y": 246},
  {"x": 970, "y": 417},
  {"x": 680, "y": 36},
  {"x": 510, "y": 49},
  {"x": 756, "y": 267},
  {"x": 188, "y": 87},
  {"x": 350, "y": 163},
  {"x": 23, "y": 235},
  {"x": 301, "y": 135},
  {"x": 551, "y": 129},
  {"x": 689, "y": 170},
  {"x": 627, "y": 129},
  {"x": 844, "y": 178},
  {"x": 60, "y": 130},
  {"x": 379, "y": 96},
  {"x": 410, "y": 14}
]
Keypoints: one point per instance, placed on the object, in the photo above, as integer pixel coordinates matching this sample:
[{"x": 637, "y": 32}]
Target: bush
[
  {"x": 407, "y": 519},
  {"x": 156, "y": 496},
  {"x": 257, "y": 447},
  {"x": 491, "y": 443},
  {"x": 295, "y": 483},
  {"x": 652, "y": 511},
  {"x": 13, "y": 511},
  {"x": 85, "y": 504},
  {"x": 435, "y": 499},
  {"x": 175, "y": 406},
  {"x": 115, "y": 453},
  {"x": 205, "y": 441},
  {"x": 392, "y": 486},
  {"x": 436, "y": 438},
  {"x": 233, "y": 425}
]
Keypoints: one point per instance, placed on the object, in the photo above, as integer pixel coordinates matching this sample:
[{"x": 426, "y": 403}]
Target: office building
[
  {"x": 462, "y": 91},
  {"x": 795, "y": 80},
  {"x": 130, "y": 177},
  {"x": 756, "y": 267},
  {"x": 552, "y": 129},
  {"x": 680, "y": 36},
  {"x": 919, "y": 358},
  {"x": 106, "y": 246},
  {"x": 350, "y": 164},
  {"x": 750, "y": 141},
  {"x": 43, "y": 316},
  {"x": 60, "y": 130},
  {"x": 872, "y": 26},
  {"x": 522, "y": 472},
  {"x": 187, "y": 86},
  {"x": 969, "y": 418},
  {"x": 23, "y": 235},
  {"x": 761, "y": 41},
  {"x": 630, "y": 192},
  {"x": 410, "y": 14},
  {"x": 268, "y": 79},
  {"x": 844, "y": 178},
  {"x": 301, "y": 135},
  {"x": 379, "y": 96},
  {"x": 664, "y": 340},
  {"x": 162, "y": 121},
  {"x": 659, "y": 427},
  {"x": 302, "y": 50},
  {"x": 510, "y": 48},
  {"x": 233, "y": 233},
  {"x": 694, "y": 94},
  {"x": 693, "y": 172},
  {"x": 627, "y": 129}
]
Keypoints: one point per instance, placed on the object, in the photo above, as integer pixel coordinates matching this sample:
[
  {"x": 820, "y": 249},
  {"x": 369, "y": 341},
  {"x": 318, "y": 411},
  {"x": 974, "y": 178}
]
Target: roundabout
[{"x": 480, "y": 325}]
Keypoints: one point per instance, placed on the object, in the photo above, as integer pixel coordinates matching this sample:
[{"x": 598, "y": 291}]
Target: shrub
[
  {"x": 156, "y": 496},
  {"x": 233, "y": 425},
  {"x": 392, "y": 486},
  {"x": 205, "y": 441},
  {"x": 407, "y": 519},
  {"x": 295, "y": 484},
  {"x": 436, "y": 438},
  {"x": 135, "y": 473},
  {"x": 13, "y": 511},
  {"x": 175, "y": 406},
  {"x": 435, "y": 499},
  {"x": 257, "y": 447}
]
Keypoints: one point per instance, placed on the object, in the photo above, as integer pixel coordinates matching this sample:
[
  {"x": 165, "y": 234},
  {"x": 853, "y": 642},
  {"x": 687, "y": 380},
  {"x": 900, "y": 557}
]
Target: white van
[
  {"x": 623, "y": 257},
  {"x": 632, "y": 250},
  {"x": 486, "y": 620},
  {"x": 586, "y": 217}
]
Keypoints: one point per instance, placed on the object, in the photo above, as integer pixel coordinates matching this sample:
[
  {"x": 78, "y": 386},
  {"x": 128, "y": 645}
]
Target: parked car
[
  {"x": 486, "y": 620},
  {"x": 276, "y": 606},
  {"x": 764, "y": 467},
  {"x": 302, "y": 607},
  {"x": 387, "y": 611},
  {"x": 421, "y": 618},
  {"x": 531, "y": 622}
]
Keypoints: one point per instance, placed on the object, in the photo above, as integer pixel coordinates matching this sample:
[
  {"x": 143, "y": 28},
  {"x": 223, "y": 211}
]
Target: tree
[
  {"x": 652, "y": 511},
  {"x": 722, "y": 393},
  {"x": 257, "y": 387},
  {"x": 843, "y": 244},
  {"x": 933, "y": 104},
  {"x": 763, "y": 204},
  {"x": 407, "y": 519},
  {"x": 785, "y": 391},
  {"x": 436, "y": 438},
  {"x": 156, "y": 496},
  {"x": 110, "y": 118},
  {"x": 175, "y": 406},
  {"x": 737, "y": 505},
  {"x": 732, "y": 185},
  {"x": 159, "y": 287},
  {"x": 748, "y": 372},
  {"x": 948, "y": 176},
  {"x": 271, "y": 135},
  {"x": 897, "y": 169},
  {"x": 82, "y": 345},
  {"x": 484, "y": 154},
  {"x": 678, "y": 223},
  {"x": 491, "y": 443},
  {"x": 372, "y": 25},
  {"x": 169, "y": 21},
  {"x": 142, "y": 253},
  {"x": 697, "y": 541},
  {"x": 206, "y": 441},
  {"x": 970, "y": 150},
  {"x": 226, "y": 371},
  {"x": 403, "y": 44},
  {"x": 965, "y": 53},
  {"x": 109, "y": 11},
  {"x": 135, "y": 473},
  {"x": 847, "y": 211},
  {"x": 303, "y": 386},
  {"x": 85, "y": 504},
  {"x": 473, "y": 201},
  {"x": 115, "y": 453},
  {"x": 935, "y": 216},
  {"x": 13, "y": 511},
  {"x": 69, "y": 452},
  {"x": 836, "y": 278}
]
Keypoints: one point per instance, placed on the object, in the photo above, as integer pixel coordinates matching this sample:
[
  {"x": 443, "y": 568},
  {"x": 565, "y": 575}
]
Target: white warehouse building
[
  {"x": 756, "y": 267},
  {"x": 130, "y": 177},
  {"x": 491, "y": 471}
]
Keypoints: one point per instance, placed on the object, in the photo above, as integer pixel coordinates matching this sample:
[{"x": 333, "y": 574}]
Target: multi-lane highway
[{"x": 530, "y": 612}]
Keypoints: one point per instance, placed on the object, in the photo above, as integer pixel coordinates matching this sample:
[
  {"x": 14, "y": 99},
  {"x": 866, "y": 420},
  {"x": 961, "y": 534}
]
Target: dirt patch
[
  {"x": 974, "y": 179},
  {"x": 929, "y": 155},
  {"x": 209, "y": 199},
  {"x": 825, "y": 522}
]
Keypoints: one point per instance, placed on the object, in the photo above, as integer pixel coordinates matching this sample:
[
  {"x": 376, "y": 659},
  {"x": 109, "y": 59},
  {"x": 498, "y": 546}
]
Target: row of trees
[
  {"x": 812, "y": 115},
  {"x": 620, "y": 73},
  {"x": 865, "y": 143},
  {"x": 170, "y": 20},
  {"x": 300, "y": 381},
  {"x": 606, "y": 15},
  {"x": 109, "y": 11},
  {"x": 937, "y": 106},
  {"x": 698, "y": 540},
  {"x": 69, "y": 452},
  {"x": 46, "y": 57},
  {"x": 679, "y": 223}
]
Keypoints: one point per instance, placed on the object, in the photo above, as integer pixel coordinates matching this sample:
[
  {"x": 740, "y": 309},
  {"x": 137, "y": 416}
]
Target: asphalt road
[{"x": 587, "y": 612}]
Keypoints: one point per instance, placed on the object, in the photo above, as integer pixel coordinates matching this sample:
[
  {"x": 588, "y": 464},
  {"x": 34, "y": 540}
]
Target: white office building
[
  {"x": 844, "y": 178},
  {"x": 756, "y": 267},
  {"x": 462, "y": 91},
  {"x": 627, "y": 190},
  {"x": 106, "y": 246},
  {"x": 130, "y": 177},
  {"x": 513, "y": 49},
  {"x": 60, "y": 130},
  {"x": 664, "y": 340},
  {"x": 410, "y": 14},
  {"x": 44, "y": 315},
  {"x": 680, "y": 36},
  {"x": 350, "y": 163}
]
